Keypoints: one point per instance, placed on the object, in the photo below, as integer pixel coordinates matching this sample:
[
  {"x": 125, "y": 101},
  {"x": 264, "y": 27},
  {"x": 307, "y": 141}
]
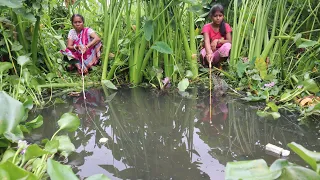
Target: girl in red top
[{"x": 217, "y": 37}]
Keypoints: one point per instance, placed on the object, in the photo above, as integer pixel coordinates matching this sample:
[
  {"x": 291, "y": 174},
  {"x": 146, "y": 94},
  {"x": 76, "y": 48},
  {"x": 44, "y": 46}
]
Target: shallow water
[{"x": 154, "y": 135}]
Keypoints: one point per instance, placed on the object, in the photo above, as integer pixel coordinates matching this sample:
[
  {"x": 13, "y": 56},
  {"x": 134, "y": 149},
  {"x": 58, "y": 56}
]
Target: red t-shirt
[{"x": 207, "y": 28}]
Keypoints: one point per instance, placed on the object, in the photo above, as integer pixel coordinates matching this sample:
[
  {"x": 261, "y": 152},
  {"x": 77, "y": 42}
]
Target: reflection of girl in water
[
  {"x": 91, "y": 105},
  {"x": 219, "y": 110}
]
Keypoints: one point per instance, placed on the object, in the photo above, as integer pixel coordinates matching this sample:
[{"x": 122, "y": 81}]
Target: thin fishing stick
[
  {"x": 82, "y": 66},
  {"x": 210, "y": 87}
]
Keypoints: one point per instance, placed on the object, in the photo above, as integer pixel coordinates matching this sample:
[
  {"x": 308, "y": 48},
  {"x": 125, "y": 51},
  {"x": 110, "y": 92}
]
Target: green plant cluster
[
  {"x": 279, "y": 169},
  {"x": 20, "y": 160}
]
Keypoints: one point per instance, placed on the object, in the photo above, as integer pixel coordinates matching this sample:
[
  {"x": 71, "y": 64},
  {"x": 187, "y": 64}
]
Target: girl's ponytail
[{"x": 223, "y": 29}]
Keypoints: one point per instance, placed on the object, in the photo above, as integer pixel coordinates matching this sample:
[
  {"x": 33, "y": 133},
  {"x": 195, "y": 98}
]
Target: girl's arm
[
  {"x": 207, "y": 46},
  {"x": 227, "y": 40},
  {"x": 70, "y": 45},
  {"x": 96, "y": 39}
]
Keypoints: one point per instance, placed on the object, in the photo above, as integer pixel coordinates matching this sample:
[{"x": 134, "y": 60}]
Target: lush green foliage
[{"x": 280, "y": 169}]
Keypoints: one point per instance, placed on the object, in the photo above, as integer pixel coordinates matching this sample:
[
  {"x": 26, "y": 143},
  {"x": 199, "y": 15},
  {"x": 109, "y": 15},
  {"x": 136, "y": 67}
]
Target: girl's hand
[
  {"x": 83, "y": 49},
  {"x": 214, "y": 44},
  {"x": 209, "y": 57}
]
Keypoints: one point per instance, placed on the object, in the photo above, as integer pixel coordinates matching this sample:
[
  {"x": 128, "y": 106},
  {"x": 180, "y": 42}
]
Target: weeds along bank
[{"x": 274, "y": 55}]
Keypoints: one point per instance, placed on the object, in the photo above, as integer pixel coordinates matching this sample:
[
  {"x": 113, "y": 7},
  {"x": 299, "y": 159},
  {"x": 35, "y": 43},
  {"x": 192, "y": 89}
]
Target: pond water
[{"x": 153, "y": 135}]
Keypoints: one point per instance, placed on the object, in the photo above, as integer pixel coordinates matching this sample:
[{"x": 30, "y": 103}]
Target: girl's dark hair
[
  {"x": 219, "y": 8},
  {"x": 76, "y": 15}
]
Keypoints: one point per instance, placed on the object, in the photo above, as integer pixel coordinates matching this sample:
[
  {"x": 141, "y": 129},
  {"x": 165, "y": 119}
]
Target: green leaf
[
  {"x": 11, "y": 114},
  {"x": 310, "y": 85},
  {"x": 9, "y": 153},
  {"x": 241, "y": 68},
  {"x": 58, "y": 171},
  {"x": 273, "y": 106},
  {"x": 310, "y": 157},
  {"x": 307, "y": 44},
  {"x": 36, "y": 123},
  {"x": 275, "y": 115},
  {"x": 189, "y": 74},
  {"x": 69, "y": 122},
  {"x": 65, "y": 145},
  {"x": 98, "y": 177},
  {"x": 254, "y": 169},
  {"x": 298, "y": 173},
  {"x": 4, "y": 66},
  {"x": 23, "y": 60},
  {"x": 8, "y": 170},
  {"x": 52, "y": 146},
  {"x": 183, "y": 84},
  {"x": 12, "y": 3},
  {"x": 297, "y": 37},
  {"x": 261, "y": 66},
  {"x": 109, "y": 84},
  {"x": 148, "y": 29},
  {"x": 33, "y": 151},
  {"x": 162, "y": 47},
  {"x": 256, "y": 77},
  {"x": 16, "y": 46}
]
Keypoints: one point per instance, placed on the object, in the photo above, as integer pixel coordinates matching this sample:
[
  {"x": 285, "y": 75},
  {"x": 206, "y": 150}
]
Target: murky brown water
[{"x": 154, "y": 135}]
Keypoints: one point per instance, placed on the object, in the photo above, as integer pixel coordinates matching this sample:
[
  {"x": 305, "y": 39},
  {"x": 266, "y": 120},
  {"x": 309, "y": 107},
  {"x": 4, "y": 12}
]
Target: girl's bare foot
[{"x": 85, "y": 70}]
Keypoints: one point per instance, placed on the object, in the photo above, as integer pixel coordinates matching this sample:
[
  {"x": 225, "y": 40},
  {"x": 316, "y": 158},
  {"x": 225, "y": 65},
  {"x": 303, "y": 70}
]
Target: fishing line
[
  {"x": 82, "y": 66},
  {"x": 210, "y": 87}
]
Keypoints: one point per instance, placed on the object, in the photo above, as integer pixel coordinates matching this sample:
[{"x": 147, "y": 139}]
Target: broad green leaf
[
  {"x": 279, "y": 164},
  {"x": 50, "y": 76},
  {"x": 307, "y": 44},
  {"x": 310, "y": 157},
  {"x": 65, "y": 145},
  {"x": 4, "y": 66},
  {"x": 109, "y": 84},
  {"x": 189, "y": 74},
  {"x": 12, "y": 3},
  {"x": 98, "y": 177},
  {"x": 273, "y": 106},
  {"x": 23, "y": 60},
  {"x": 4, "y": 143},
  {"x": 183, "y": 84},
  {"x": 256, "y": 77},
  {"x": 254, "y": 169},
  {"x": 148, "y": 29},
  {"x": 261, "y": 66},
  {"x": 195, "y": 8},
  {"x": 297, "y": 37},
  {"x": 58, "y": 171},
  {"x": 16, "y": 46},
  {"x": 36, "y": 123},
  {"x": 11, "y": 114},
  {"x": 69, "y": 122},
  {"x": 241, "y": 68},
  {"x": 9, "y": 153},
  {"x": 275, "y": 115},
  {"x": 310, "y": 85},
  {"x": 298, "y": 173},
  {"x": 33, "y": 151},
  {"x": 162, "y": 47},
  {"x": 8, "y": 170},
  {"x": 52, "y": 146},
  {"x": 28, "y": 103}
]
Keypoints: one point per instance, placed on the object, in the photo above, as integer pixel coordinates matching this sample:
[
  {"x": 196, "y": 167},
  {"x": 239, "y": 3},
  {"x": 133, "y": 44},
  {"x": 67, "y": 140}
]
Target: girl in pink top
[{"x": 217, "y": 37}]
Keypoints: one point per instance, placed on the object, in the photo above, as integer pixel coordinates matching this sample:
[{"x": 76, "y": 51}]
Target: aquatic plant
[{"x": 279, "y": 169}]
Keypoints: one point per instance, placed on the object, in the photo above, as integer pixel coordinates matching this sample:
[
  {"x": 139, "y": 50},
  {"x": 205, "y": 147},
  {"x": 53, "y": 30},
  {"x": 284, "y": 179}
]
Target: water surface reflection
[{"x": 166, "y": 136}]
